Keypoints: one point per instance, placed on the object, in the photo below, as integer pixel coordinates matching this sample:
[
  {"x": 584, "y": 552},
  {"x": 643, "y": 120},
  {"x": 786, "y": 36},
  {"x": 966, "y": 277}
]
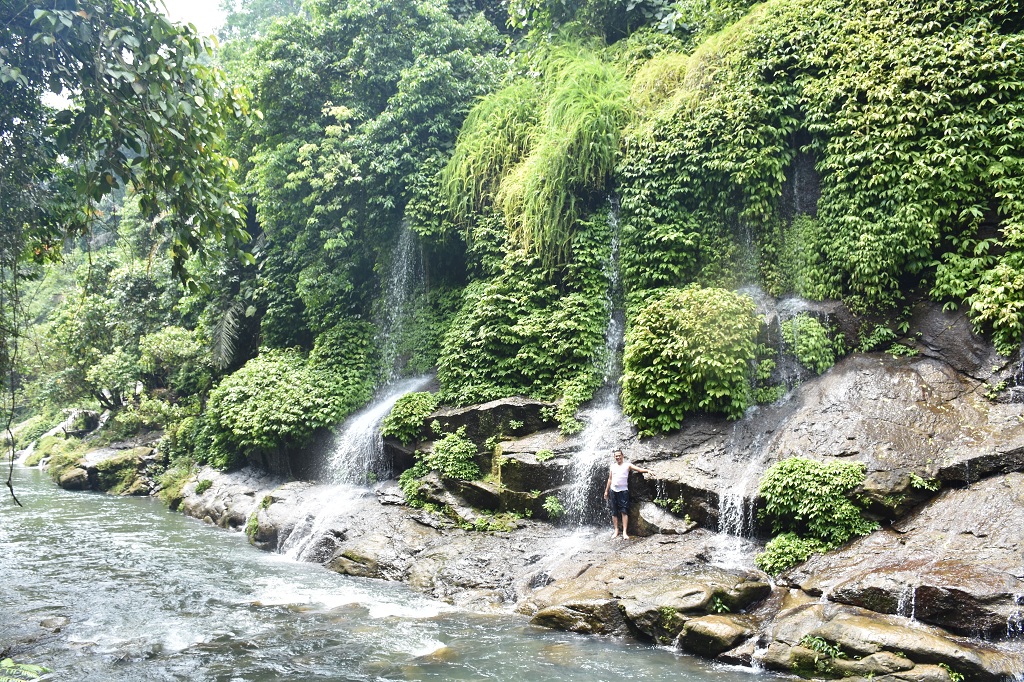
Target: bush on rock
[{"x": 688, "y": 350}]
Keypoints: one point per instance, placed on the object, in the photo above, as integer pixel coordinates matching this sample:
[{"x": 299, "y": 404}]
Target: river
[{"x": 104, "y": 588}]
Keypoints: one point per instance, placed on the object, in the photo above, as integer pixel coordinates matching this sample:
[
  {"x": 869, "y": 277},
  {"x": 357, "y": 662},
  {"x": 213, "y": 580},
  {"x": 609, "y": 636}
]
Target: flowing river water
[{"x": 104, "y": 588}]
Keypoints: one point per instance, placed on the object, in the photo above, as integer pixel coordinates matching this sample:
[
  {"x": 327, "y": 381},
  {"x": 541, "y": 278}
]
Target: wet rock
[
  {"x": 505, "y": 417},
  {"x": 859, "y": 633},
  {"x": 953, "y": 563},
  {"x": 709, "y": 636},
  {"x": 652, "y": 519},
  {"x": 74, "y": 478},
  {"x": 119, "y": 472},
  {"x": 587, "y": 616},
  {"x": 949, "y": 336}
]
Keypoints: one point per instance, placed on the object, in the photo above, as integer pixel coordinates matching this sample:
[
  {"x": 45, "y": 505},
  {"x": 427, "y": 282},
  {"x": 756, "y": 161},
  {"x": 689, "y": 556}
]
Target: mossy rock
[{"x": 119, "y": 475}]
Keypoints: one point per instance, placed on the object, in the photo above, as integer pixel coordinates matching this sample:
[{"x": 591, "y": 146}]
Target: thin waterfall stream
[{"x": 603, "y": 419}]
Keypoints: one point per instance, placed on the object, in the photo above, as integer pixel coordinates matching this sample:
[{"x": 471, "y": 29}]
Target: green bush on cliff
[
  {"x": 688, "y": 350},
  {"x": 808, "y": 503},
  {"x": 809, "y": 342},
  {"x": 405, "y": 421},
  {"x": 530, "y": 330},
  {"x": 787, "y": 550},
  {"x": 278, "y": 400},
  {"x": 452, "y": 456}
]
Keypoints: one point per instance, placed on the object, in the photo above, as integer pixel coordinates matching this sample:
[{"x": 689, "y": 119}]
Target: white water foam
[{"x": 357, "y": 450}]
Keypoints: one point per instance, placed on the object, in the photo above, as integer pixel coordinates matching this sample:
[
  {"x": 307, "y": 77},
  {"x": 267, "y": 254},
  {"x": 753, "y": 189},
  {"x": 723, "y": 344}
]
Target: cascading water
[
  {"x": 405, "y": 280},
  {"x": 736, "y": 523},
  {"x": 603, "y": 418},
  {"x": 356, "y": 453},
  {"x": 733, "y": 547}
]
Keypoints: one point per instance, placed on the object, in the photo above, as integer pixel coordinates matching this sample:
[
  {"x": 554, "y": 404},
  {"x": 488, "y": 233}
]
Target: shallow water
[{"x": 102, "y": 588}]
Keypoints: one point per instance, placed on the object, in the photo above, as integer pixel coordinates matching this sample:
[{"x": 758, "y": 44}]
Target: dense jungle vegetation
[{"x": 206, "y": 241}]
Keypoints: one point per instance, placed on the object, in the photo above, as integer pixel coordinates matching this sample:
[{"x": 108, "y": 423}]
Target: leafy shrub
[
  {"x": 349, "y": 352},
  {"x": 545, "y": 455},
  {"x": 810, "y": 497},
  {"x": 787, "y": 550},
  {"x": 174, "y": 358},
  {"x": 277, "y": 401},
  {"x": 809, "y": 342},
  {"x": 11, "y": 671},
  {"x": 173, "y": 480},
  {"x": 405, "y": 421},
  {"x": 452, "y": 457},
  {"x": 553, "y": 507},
  {"x": 531, "y": 331},
  {"x": 30, "y": 430},
  {"x": 808, "y": 502},
  {"x": 878, "y": 337},
  {"x": 688, "y": 350},
  {"x": 203, "y": 485},
  {"x": 714, "y": 170},
  {"x": 115, "y": 373}
]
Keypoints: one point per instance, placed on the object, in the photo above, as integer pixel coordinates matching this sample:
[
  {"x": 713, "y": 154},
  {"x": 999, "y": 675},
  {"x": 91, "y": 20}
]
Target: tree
[{"x": 146, "y": 111}]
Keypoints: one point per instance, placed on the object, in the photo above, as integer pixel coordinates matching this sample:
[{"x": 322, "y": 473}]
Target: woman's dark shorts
[{"x": 618, "y": 500}]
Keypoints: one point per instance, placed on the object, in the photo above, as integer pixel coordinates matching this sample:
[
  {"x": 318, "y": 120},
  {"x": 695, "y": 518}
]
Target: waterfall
[
  {"x": 603, "y": 419},
  {"x": 404, "y": 281},
  {"x": 736, "y": 524},
  {"x": 356, "y": 454}
]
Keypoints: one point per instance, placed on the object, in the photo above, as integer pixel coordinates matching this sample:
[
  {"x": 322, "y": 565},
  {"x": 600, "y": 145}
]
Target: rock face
[
  {"x": 506, "y": 417},
  {"x": 957, "y": 562}
]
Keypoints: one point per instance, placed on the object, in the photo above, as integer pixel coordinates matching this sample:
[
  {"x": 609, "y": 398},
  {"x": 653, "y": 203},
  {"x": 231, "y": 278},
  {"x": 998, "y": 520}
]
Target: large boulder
[
  {"x": 953, "y": 563},
  {"x": 820, "y": 640},
  {"x": 505, "y": 417}
]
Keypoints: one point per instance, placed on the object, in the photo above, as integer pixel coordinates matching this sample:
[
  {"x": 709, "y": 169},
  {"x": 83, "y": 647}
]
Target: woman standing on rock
[{"x": 618, "y": 485}]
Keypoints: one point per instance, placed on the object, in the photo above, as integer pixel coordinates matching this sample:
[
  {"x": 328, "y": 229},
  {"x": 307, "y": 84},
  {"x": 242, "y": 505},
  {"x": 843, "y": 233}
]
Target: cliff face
[{"x": 936, "y": 592}]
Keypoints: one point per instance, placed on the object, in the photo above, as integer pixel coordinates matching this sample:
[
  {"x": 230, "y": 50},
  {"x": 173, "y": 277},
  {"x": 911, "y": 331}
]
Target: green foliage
[
  {"x": 278, "y": 400},
  {"x": 10, "y": 671},
  {"x": 810, "y": 497},
  {"x": 363, "y": 102},
  {"x": 349, "y": 354},
  {"x": 920, "y": 483},
  {"x": 409, "y": 481},
  {"x": 494, "y": 138},
  {"x": 787, "y": 550},
  {"x": 822, "y": 646},
  {"x": 553, "y": 507},
  {"x": 954, "y": 675},
  {"x": 718, "y": 606},
  {"x": 809, "y": 503},
  {"x": 452, "y": 457},
  {"x": 174, "y": 358},
  {"x": 147, "y": 110},
  {"x": 203, "y": 485},
  {"x": 898, "y": 350},
  {"x": 688, "y": 350},
  {"x": 544, "y": 455},
  {"x": 879, "y": 336},
  {"x": 809, "y": 341},
  {"x": 572, "y": 154},
  {"x": 30, "y": 430},
  {"x": 405, "y": 421},
  {"x": 174, "y": 479},
  {"x": 905, "y": 112},
  {"x": 113, "y": 377},
  {"x": 531, "y": 331}
]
